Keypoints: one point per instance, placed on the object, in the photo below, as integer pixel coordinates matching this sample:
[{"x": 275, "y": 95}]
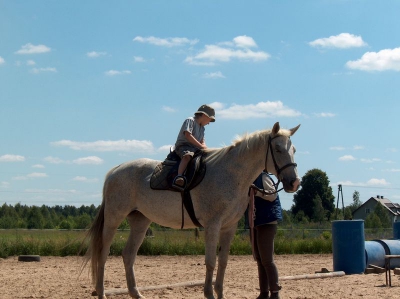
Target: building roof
[{"x": 393, "y": 208}]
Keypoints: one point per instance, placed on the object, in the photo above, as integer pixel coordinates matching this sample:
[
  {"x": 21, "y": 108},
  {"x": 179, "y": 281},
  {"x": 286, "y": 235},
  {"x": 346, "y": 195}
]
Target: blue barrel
[
  {"x": 391, "y": 247},
  {"x": 348, "y": 246},
  {"x": 396, "y": 230},
  {"x": 374, "y": 254}
]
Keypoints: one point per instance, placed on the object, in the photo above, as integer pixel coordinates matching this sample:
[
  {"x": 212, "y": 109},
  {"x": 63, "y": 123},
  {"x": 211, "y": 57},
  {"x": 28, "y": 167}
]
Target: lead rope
[{"x": 252, "y": 216}]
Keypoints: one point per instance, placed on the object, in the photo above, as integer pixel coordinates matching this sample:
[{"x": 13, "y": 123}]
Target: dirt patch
[{"x": 57, "y": 277}]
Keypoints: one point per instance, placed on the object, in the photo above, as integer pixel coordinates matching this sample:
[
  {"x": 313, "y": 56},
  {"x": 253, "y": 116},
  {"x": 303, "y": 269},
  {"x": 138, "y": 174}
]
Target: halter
[{"x": 277, "y": 169}]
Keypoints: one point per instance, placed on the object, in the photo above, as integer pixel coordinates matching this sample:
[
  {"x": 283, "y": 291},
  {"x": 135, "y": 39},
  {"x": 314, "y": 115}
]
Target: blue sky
[{"x": 87, "y": 85}]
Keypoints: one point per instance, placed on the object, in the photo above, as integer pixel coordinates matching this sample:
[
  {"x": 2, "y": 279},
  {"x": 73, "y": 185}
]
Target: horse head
[{"x": 280, "y": 153}]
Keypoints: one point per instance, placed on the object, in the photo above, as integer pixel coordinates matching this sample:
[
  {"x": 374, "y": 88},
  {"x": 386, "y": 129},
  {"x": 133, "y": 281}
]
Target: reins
[{"x": 277, "y": 169}]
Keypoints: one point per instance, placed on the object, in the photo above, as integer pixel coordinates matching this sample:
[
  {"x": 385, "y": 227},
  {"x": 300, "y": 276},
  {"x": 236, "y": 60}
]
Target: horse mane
[{"x": 243, "y": 143}]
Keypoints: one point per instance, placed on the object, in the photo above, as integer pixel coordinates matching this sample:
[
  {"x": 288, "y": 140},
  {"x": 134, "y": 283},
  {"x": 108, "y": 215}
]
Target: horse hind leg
[
  {"x": 138, "y": 226},
  {"x": 107, "y": 238},
  {"x": 225, "y": 239}
]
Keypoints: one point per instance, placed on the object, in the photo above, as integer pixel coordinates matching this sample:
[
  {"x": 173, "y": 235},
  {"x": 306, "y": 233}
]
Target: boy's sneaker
[{"x": 179, "y": 183}]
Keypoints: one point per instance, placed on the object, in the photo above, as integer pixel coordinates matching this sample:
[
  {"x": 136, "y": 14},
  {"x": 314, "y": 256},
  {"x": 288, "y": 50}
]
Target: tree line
[
  {"x": 313, "y": 203},
  {"x": 44, "y": 217}
]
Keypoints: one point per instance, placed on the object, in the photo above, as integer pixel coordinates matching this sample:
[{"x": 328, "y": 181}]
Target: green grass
[{"x": 168, "y": 242}]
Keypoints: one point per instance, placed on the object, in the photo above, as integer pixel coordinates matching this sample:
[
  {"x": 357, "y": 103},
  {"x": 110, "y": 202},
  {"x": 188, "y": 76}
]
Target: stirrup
[{"x": 180, "y": 187}]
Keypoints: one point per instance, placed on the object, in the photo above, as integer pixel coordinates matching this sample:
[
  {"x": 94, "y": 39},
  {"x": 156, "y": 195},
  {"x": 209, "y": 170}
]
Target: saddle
[{"x": 165, "y": 173}]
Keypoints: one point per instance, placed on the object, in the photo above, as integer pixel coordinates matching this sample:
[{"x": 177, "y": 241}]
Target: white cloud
[
  {"x": 164, "y": 148},
  {"x": 373, "y": 160},
  {"x": 138, "y": 59},
  {"x": 324, "y": 114},
  {"x": 166, "y": 42},
  {"x": 88, "y": 160},
  {"x": 95, "y": 54},
  {"x": 12, "y": 158},
  {"x": 52, "y": 191},
  {"x": 2, "y": 61},
  {"x": 347, "y": 158},
  {"x": 337, "y": 148},
  {"x": 44, "y": 70},
  {"x": 32, "y": 49},
  {"x": 4, "y": 185},
  {"x": 244, "y": 41},
  {"x": 341, "y": 41},
  {"x": 377, "y": 182},
  {"x": 213, "y": 53},
  {"x": 54, "y": 160},
  {"x": 259, "y": 110},
  {"x": 370, "y": 183},
  {"x": 214, "y": 75},
  {"x": 108, "y": 145},
  {"x": 384, "y": 60},
  {"x": 115, "y": 73},
  {"x": 391, "y": 150},
  {"x": 392, "y": 170},
  {"x": 30, "y": 62},
  {"x": 358, "y": 147},
  {"x": 84, "y": 179},
  {"x": 217, "y": 105},
  {"x": 33, "y": 175},
  {"x": 37, "y": 175},
  {"x": 224, "y": 52},
  {"x": 168, "y": 109},
  {"x": 38, "y": 166}
]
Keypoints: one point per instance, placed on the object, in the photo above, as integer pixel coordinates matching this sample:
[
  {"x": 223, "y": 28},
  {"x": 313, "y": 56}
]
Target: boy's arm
[{"x": 193, "y": 141}]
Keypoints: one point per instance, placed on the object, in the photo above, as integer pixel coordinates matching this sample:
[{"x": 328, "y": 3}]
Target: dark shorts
[{"x": 186, "y": 150}]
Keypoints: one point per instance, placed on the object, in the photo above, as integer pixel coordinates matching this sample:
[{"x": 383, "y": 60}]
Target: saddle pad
[
  {"x": 165, "y": 172},
  {"x": 163, "y": 175}
]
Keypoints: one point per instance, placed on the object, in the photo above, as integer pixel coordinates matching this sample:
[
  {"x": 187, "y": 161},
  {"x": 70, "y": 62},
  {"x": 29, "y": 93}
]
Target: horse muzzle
[{"x": 291, "y": 186}]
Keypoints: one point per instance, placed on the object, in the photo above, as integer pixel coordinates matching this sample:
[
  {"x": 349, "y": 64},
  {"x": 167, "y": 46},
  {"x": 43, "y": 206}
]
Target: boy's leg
[
  {"x": 180, "y": 181},
  {"x": 184, "y": 162}
]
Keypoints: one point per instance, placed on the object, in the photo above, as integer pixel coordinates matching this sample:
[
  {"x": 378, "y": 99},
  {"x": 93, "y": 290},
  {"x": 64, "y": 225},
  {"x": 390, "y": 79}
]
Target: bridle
[{"x": 277, "y": 169}]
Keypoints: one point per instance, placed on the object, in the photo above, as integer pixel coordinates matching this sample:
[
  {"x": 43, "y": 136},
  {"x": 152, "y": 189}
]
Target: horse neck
[{"x": 244, "y": 165}]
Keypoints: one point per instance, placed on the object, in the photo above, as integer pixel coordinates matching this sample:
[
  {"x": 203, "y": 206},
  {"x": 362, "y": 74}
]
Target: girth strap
[{"x": 188, "y": 204}]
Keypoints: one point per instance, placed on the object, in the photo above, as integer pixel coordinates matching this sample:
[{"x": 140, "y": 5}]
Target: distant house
[{"x": 393, "y": 209}]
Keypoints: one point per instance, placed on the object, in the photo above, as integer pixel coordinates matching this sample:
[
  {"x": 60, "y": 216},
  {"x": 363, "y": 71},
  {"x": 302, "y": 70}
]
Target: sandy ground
[{"x": 57, "y": 277}]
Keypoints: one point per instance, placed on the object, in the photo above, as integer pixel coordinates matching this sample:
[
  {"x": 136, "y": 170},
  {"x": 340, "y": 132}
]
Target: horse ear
[
  {"x": 276, "y": 128},
  {"x": 292, "y": 131}
]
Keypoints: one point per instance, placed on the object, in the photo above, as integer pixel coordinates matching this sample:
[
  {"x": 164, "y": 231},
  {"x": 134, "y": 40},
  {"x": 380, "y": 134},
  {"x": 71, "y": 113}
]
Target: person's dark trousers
[{"x": 264, "y": 236}]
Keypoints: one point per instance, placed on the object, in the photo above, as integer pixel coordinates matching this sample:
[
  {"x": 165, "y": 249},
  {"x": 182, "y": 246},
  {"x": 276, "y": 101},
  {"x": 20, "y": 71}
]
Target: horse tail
[
  {"x": 95, "y": 240},
  {"x": 94, "y": 237}
]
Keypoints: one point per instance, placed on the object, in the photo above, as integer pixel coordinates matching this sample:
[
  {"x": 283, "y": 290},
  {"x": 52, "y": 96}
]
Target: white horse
[{"x": 219, "y": 201}]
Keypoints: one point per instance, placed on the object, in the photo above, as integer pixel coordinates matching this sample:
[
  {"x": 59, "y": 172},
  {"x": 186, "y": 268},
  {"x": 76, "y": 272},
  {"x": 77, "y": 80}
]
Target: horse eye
[{"x": 278, "y": 148}]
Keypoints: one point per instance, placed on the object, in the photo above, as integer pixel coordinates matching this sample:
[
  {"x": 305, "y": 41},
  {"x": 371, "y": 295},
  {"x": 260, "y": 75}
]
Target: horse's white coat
[{"x": 219, "y": 202}]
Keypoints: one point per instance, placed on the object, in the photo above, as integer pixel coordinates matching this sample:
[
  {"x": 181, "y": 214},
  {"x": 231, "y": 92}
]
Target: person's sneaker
[
  {"x": 179, "y": 183},
  {"x": 274, "y": 295}
]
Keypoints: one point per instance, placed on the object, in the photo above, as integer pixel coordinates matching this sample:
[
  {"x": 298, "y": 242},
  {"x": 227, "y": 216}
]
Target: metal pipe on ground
[{"x": 110, "y": 292}]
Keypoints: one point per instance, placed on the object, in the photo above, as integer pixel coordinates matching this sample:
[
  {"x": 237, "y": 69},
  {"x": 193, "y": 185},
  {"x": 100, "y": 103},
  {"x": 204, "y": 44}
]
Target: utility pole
[{"x": 340, "y": 192}]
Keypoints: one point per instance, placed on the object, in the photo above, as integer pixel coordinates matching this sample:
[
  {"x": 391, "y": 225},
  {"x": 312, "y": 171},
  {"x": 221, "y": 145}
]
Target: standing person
[
  {"x": 267, "y": 213},
  {"x": 191, "y": 139}
]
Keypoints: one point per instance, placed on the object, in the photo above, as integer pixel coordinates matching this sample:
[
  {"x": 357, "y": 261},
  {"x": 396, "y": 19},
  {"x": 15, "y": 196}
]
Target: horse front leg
[
  {"x": 211, "y": 239},
  {"x": 225, "y": 239},
  {"x": 138, "y": 226}
]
